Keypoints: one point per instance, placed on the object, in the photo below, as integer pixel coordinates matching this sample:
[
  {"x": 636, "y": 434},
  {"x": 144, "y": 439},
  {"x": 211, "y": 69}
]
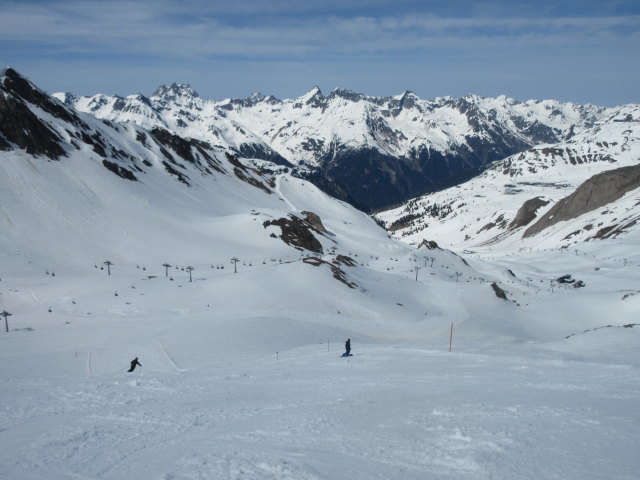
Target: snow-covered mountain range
[
  {"x": 236, "y": 284},
  {"x": 508, "y": 203},
  {"x": 370, "y": 151},
  {"x": 80, "y": 190}
]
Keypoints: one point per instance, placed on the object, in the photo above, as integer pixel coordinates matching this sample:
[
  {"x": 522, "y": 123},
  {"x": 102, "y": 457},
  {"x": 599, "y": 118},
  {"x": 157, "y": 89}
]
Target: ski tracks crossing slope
[{"x": 283, "y": 196}]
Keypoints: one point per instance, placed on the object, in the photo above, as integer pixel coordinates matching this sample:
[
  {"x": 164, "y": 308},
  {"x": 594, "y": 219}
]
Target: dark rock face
[
  {"x": 500, "y": 293},
  {"x": 528, "y": 212},
  {"x": 297, "y": 233},
  {"x": 374, "y": 180},
  {"x": 345, "y": 260},
  {"x": 250, "y": 150},
  {"x": 429, "y": 244},
  {"x": 596, "y": 192},
  {"x": 20, "y": 87},
  {"x": 499, "y": 222},
  {"x": 244, "y": 173},
  {"x": 19, "y": 126},
  {"x": 315, "y": 221},
  {"x": 371, "y": 178},
  {"x": 337, "y": 272},
  {"x": 119, "y": 170}
]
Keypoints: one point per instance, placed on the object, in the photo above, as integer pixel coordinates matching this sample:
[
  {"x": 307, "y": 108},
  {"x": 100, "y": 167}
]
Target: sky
[{"x": 582, "y": 51}]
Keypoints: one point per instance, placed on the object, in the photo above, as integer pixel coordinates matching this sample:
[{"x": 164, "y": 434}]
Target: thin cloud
[
  {"x": 344, "y": 37},
  {"x": 168, "y": 28}
]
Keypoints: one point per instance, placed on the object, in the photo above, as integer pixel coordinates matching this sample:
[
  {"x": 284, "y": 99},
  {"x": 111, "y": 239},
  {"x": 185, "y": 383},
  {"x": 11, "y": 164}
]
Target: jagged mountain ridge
[
  {"x": 42, "y": 126},
  {"x": 401, "y": 146},
  {"x": 497, "y": 207}
]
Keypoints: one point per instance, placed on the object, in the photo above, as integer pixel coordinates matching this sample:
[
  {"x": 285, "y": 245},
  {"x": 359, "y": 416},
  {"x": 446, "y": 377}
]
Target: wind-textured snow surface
[{"x": 388, "y": 412}]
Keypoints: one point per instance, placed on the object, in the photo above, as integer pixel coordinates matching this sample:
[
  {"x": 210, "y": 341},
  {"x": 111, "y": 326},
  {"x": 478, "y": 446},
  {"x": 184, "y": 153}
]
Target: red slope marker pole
[{"x": 451, "y": 336}]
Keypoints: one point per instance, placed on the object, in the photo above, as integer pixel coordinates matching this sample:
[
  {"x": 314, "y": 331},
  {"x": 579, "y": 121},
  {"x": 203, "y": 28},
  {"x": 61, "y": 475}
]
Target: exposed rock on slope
[
  {"x": 337, "y": 272},
  {"x": 596, "y": 192},
  {"x": 296, "y": 232},
  {"x": 528, "y": 212},
  {"x": 315, "y": 221},
  {"x": 500, "y": 293}
]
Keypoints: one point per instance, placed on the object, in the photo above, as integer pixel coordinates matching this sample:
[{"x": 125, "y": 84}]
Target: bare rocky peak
[{"x": 174, "y": 91}]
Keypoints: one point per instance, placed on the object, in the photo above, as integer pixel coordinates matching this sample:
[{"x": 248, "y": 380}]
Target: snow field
[
  {"x": 214, "y": 399},
  {"x": 390, "y": 411}
]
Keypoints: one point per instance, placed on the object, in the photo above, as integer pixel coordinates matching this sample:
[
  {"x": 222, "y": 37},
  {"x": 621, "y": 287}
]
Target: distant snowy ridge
[
  {"x": 371, "y": 151},
  {"x": 490, "y": 209}
]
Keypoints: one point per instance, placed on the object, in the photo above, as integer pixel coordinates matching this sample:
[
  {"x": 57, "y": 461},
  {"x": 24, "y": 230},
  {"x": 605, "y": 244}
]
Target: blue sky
[{"x": 580, "y": 51}]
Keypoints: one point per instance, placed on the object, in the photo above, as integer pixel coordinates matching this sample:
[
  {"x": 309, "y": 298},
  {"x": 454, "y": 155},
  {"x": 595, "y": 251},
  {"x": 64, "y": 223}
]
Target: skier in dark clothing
[
  {"x": 347, "y": 348},
  {"x": 134, "y": 364}
]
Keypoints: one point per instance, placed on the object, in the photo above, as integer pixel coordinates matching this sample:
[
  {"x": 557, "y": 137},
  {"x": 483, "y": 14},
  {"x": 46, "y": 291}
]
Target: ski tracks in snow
[
  {"x": 282, "y": 196},
  {"x": 35, "y": 297},
  {"x": 89, "y": 369},
  {"x": 169, "y": 359},
  {"x": 165, "y": 354}
]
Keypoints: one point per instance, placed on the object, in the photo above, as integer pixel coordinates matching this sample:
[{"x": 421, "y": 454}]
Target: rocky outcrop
[
  {"x": 596, "y": 192},
  {"x": 429, "y": 245},
  {"x": 337, "y": 272},
  {"x": 296, "y": 232},
  {"x": 500, "y": 293},
  {"x": 314, "y": 220},
  {"x": 20, "y": 126},
  {"x": 528, "y": 212}
]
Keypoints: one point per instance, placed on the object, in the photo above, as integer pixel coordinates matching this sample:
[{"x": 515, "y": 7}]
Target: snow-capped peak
[
  {"x": 315, "y": 91},
  {"x": 66, "y": 97},
  {"x": 407, "y": 94},
  {"x": 174, "y": 91}
]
